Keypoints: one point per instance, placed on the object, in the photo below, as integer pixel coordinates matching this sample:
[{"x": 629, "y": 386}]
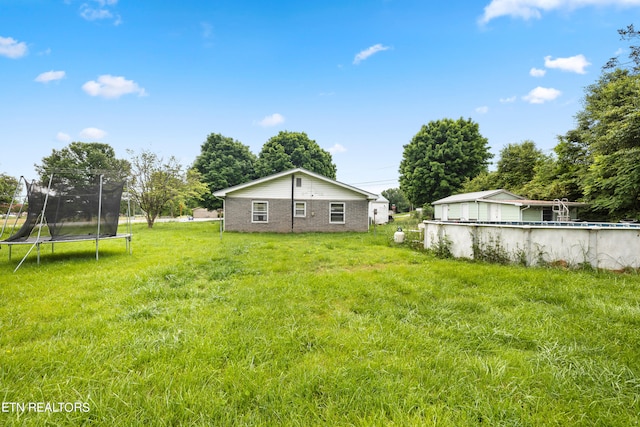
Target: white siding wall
[
  {"x": 509, "y": 212},
  {"x": 316, "y": 189},
  {"x": 437, "y": 211},
  {"x": 311, "y": 188},
  {"x": 275, "y": 189},
  {"x": 382, "y": 217}
]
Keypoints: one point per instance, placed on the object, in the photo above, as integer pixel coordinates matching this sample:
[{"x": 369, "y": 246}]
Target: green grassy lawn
[{"x": 313, "y": 329}]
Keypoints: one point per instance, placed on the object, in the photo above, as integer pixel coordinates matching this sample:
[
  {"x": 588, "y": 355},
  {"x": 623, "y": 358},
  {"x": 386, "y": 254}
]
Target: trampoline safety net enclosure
[{"x": 86, "y": 208}]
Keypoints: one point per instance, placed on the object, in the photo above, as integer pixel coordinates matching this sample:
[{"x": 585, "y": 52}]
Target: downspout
[
  {"x": 522, "y": 210},
  {"x": 224, "y": 213},
  {"x": 293, "y": 179},
  {"x": 99, "y": 217}
]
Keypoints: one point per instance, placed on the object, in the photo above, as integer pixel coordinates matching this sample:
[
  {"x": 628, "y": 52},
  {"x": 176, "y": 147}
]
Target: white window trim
[
  {"x": 304, "y": 209},
  {"x": 344, "y": 212},
  {"x": 253, "y": 212}
]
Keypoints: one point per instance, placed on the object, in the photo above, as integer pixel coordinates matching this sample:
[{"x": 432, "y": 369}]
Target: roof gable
[{"x": 272, "y": 178}]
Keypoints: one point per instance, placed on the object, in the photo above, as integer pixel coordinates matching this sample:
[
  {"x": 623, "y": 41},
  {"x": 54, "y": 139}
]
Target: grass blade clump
[{"x": 312, "y": 329}]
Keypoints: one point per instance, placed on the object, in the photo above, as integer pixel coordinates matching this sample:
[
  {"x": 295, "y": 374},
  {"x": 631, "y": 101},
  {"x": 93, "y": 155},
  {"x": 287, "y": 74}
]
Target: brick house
[{"x": 295, "y": 201}]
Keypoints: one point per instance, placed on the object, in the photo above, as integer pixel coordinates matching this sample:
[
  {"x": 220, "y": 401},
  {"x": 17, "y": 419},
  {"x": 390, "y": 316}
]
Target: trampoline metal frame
[{"x": 39, "y": 240}]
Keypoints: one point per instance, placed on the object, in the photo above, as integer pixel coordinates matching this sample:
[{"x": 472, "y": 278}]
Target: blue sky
[{"x": 359, "y": 77}]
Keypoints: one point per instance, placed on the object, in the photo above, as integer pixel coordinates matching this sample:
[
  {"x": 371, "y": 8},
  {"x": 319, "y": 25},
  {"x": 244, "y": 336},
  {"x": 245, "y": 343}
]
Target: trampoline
[{"x": 85, "y": 208}]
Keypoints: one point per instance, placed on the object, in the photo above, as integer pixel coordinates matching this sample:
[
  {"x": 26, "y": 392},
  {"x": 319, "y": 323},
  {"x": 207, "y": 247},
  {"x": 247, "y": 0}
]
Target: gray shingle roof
[{"x": 472, "y": 197}]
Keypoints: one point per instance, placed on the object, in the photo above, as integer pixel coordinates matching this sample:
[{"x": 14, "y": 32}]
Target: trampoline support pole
[
  {"x": 42, "y": 215},
  {"x": 99, "y": 217}
]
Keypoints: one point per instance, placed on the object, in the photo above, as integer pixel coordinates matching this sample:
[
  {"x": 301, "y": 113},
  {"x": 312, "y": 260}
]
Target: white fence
[{"x": 605, "y": 246}]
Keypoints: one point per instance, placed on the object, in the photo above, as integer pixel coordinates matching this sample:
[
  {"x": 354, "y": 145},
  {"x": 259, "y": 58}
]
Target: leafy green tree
[
  {"x": 633, "y": 64},
  {"x": 607, "y": 140},
  {"x": 8, "y": 185},
  {"x": 525, "y": 170},
  {"x": 611, "y": 115},
  {"x": 603, "y": 148},
  {"x": 82, "y": 162},
  {"x": 190, "y": 197},
  {"x": 485, "y": 180},
  {"x": 222, "y": 163},
  {"x": 289, "y": 150},
  {"x": 544, "y": 184},
  {"x": 396, "y": 197},
  {"x": 440, "y": 157},
  {"x": 613, "y": 183},
  {"x": 517, "y": 165},
  {"x": 573, "y": 159},
  {"x": 155, "y": 184}
]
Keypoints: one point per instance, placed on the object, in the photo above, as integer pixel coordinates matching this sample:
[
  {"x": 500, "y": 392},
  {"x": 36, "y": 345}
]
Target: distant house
[
  {"x": 379, "y": 210},
  {"x": 502, "y": 206},
  {"x": 296, "y": 200}
]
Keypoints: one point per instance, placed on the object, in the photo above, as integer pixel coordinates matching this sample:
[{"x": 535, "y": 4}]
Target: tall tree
[
  {"x": 573, "y": 160},
  {"x": 485, "y": 180},
  {"x": 294, "y": 150},
  {"x": 8, "y": 185},
  {"x": 525, "y": 170},
  {"x": 223, "y": 162},
  {"x": 82, "y": 162},
  {"x": 517, "y": 165},
  {"x": 609, "y": 133},
  {"x": 156, "y": 183},
  {"x": 633, "y": 64},
  {"x": 440, "y": 157},
  {"x": 613, "y": 184}
]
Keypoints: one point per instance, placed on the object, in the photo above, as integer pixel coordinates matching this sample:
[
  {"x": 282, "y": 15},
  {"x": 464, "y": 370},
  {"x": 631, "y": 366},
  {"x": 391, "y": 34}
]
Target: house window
[
  {"x": 260, "y": 212},
  {"x": 336, "y": 213},
  {"x": 300, "y": 209},
  {"x": 298, "y": 182}
]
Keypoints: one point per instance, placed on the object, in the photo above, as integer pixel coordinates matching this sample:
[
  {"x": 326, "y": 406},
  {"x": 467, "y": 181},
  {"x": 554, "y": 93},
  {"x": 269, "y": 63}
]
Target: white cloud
[
  {"x": 540, "y": 95},
  {"x": 99, "y": 9},
  {"x": 109, "y": 86},
  {"x": 91, "y": 14},
  {"x": 207, "y": 30},
  {"x": 508, "y": 100},
  {"x": 574, "y": 64},
  {"x": 93, "y": 134},
  {"x": 63, "y": 137},
  {"x": 50, "y": 76},
  {"x": 12, "y": 48},
  {"x": 528, "y": 9},
  {"x": 537, "y": 72},
  {"x": 368, "y": 52},
  {"x": 482, "y": 110},
  {"x": 272, "y": 120},
  {"x": 337, "y": 148}
]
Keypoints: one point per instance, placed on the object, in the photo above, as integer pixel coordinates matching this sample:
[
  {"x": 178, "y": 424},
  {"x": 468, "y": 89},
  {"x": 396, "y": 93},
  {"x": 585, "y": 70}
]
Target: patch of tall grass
[{"x": 312, "y": 329}]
